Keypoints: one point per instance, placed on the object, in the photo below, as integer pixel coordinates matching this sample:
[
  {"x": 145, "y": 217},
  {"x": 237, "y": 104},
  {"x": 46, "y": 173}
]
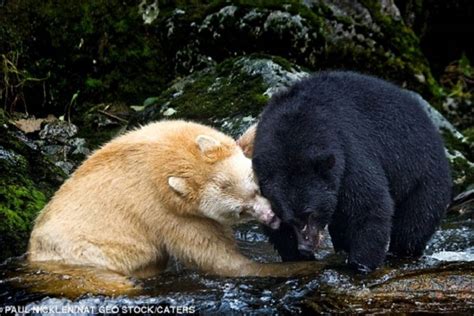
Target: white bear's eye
[
  {"x": 256, "y": 192},
  {"x": 225, "y": 185}
]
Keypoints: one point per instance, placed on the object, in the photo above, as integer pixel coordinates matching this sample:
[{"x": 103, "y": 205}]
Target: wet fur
[
  {"x": 118, "y": 213},
  {"x": 390, "y": 184}
]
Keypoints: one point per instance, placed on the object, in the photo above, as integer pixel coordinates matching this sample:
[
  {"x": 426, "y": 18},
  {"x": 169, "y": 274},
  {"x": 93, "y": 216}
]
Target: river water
[{"x": 440, "y": 281}]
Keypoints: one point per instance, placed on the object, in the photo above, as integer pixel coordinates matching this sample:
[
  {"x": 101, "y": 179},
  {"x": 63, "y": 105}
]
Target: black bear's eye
[{"x": 308, "y": 210}]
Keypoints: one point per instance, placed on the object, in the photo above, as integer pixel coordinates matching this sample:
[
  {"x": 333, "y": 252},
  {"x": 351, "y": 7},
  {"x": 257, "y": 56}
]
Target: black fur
[{"x": 361, "y": 155}]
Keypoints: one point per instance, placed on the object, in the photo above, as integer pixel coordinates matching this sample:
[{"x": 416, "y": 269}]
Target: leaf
[
  {"x": 150, "y": 101},
  {"x": 31, "y": 125},
  {"x": 137, "y": 108}
]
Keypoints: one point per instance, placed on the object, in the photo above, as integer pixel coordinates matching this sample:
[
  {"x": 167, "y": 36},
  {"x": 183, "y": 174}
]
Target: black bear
[{"x": 358, "y": 154}]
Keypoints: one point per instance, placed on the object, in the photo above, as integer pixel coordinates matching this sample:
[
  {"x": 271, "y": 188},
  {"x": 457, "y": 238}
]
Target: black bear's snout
[{"x": 308, "y": 237}]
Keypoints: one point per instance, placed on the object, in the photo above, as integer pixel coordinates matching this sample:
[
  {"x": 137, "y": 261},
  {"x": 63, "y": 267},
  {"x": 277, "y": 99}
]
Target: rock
[
  {"x": 457, "y": 147},
  {"x": 66, "y": 166},
  {"x": 58, "y": 131},
  {"x": 463, "y": 203},
  {"x": 59, "y": 142},
  {"x": 79, "y": 146},
  {"x": 27, "y": 180},
  {"x": 229, "y": 95},
  {"x": 273, "y": 74},
  {"x": 362, "y": 35}
]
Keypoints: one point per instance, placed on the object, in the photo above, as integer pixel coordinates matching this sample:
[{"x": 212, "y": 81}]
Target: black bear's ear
[{"x": 325, "y": 162}]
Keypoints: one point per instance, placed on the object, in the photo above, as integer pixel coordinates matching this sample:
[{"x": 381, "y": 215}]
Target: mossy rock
[
  {"x": 459, "y": 92},
  {"x": 363, "y": 35},
  {"x": 108, "y": 53},
  {"x": 27, "y": 180},
  {"x": 229, "y": 95}
]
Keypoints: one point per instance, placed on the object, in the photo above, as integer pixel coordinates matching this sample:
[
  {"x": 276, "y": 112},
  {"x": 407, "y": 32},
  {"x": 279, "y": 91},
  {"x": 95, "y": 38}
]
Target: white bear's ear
[
  {"x": 178, "y": 185},
  {"x": 207, "y": 143},
  {"x": 247, "y": 140}
]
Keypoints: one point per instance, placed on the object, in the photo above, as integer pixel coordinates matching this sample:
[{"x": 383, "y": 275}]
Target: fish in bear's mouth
[{"x": 309, "y": 236}]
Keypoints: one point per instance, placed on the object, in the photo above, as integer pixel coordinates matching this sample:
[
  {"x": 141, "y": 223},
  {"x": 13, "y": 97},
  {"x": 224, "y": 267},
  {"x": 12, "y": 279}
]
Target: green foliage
[
  {"x": 14, "y": 81},
  {"x": 461, "y": 167},
  {"x": 99, "y": 47},
  {"x": 92, "y": 83},
  {"x": 465, "y": 66},
  {"x": 463, "y": 174},
  {"x": 458, "y": 79},
  {"x": 458, "y": 92},
  {"x": 469, "y": 134}
]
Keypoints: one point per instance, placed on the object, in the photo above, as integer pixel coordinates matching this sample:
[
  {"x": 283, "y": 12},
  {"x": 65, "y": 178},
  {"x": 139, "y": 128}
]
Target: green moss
[
  {"x": 19, "y": 206},
  {"x": 217, "y": 92},
  {"x": 462, "y": 168},
  {"x": 224, "y": 101},
  {"x": 281, "y": 61},
  {"x": 3, "y": 117},
  {"x": 20, "y": 202},
  {"x": 93, "y": 83},
  {"x": 463, "y": 146},
  {"x": 458, "y": 92},
  {"x": 27, "y": 180},
  {"x": 469, "y": 134},
  {"x": 246, "y": 31},
  {"x": 463, "y": 174}
]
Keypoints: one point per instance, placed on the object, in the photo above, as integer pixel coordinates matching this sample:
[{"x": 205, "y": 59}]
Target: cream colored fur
[
  {"x": 247, "y": 139},
  {"x": 168, "y": 188}
]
